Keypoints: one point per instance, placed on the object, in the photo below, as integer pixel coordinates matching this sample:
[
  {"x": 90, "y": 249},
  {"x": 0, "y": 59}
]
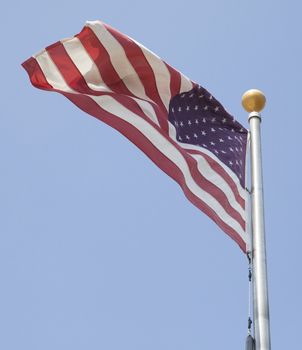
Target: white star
[
  {"x": 189, "y": 122},
  {"x": 229, "y": 138},
  {"x": 211, "y": 98},
  {"x": 212, "y": 143},
  {"x": 231, "y": 149},
  {"x": 205, "y": 108},
  {"x": 213, "y": 120},
  {"x": 192, "y": 95},
  {"x": 237, "y": 162},
  {"x": 232, "y": 130},
  {"x": 188, "y": 108},
  {"x": 196, "y": 107},
  {"x": 196, "y": 121},
  {"x": 216, "y": 109},
  {"x": 236, "y": 149},
  {"x": 181, "y": 124},
  {"x": 180, "y": 138},
  {"x": 200, "y": 96},
  {"x": 230, "y": 162},
  {"x": 195, "y": 135},
  {"x": 179, "y": 109},
  {"x": 221, "y": 140},
  {"x": 176, "y": 123},
  {"x": 241, "y": 130},
  {"x": 215, "y": 150},
  {"x": 182, "y": 95},
  {"x": 224, "y": 152},
  {"x": 224, "y": 120},
  {"x": 213, "y": 130},
  {"x": 240, "y": 176},
  {"x": 187, "y": 137},
  {"x": 240, "y": 149},
  {"x": 204, "y": 145},
  {"x": 204, "y": 120},
  {"x": 203, "y": 133},
  {"x": 172, "y": 110}
]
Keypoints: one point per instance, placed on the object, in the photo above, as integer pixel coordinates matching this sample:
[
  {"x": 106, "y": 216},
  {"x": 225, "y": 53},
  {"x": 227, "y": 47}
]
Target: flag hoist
[{"x": 253, "y": 102}]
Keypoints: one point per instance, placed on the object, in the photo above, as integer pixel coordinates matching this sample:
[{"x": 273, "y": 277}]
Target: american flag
[{"x": 178, "y": 124}]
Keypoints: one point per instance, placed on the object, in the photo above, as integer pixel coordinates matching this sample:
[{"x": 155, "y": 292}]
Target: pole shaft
[{"x": 261, "y": 307}]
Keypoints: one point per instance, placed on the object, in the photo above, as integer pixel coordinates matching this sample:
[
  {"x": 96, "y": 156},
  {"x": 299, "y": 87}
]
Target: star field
[{"x": 200, "y": 120}]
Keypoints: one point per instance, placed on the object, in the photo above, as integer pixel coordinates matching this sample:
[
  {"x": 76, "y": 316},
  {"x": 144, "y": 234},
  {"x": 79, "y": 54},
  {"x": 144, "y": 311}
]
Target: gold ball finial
[{"x": 253, "y": 100}]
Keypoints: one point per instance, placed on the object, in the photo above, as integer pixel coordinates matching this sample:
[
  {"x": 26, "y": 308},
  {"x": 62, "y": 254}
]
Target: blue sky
[{"x": 100, "y": 249}]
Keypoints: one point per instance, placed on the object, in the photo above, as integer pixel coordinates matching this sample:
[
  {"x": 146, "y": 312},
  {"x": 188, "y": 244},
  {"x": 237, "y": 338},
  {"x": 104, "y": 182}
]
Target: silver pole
[{"x": 254, "y": 101}]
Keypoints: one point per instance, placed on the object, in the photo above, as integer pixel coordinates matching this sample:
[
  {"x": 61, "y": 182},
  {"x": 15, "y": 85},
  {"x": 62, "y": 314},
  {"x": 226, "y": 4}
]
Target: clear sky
[{"x": 101, "y": 250}]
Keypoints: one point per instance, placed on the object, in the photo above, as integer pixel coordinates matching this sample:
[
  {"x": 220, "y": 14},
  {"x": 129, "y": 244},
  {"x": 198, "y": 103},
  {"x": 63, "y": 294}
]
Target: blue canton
[{"x": 200, "y": 120}]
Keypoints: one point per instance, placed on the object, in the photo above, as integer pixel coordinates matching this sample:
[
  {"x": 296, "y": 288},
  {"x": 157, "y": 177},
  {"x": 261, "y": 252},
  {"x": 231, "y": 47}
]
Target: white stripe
[
  {"x": 119, "y": 60},
  {"x": 85, "y": 64},
  {"x": 160, "y": 142},
  {"x": 147, "y": 109},
  {"x": 185, "y": 84},
  {"x": 51, "y": 72},
  {"x": 206, "y": 170},
  {"x": 212, "y": 176},
  {"x": 161, "y": 74},
  {"x": 172, "y": 153}
]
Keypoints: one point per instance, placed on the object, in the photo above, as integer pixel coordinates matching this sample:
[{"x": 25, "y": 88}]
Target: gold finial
[{"x": 253, "y": 100}]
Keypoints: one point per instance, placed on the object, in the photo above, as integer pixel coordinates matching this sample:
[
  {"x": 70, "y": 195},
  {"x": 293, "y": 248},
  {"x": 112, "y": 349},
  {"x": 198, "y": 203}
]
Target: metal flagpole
[{"x": 254, "y": 101}]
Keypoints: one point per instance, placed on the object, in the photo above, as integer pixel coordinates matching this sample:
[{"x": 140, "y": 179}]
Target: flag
[{"x": 177, "y": 123}]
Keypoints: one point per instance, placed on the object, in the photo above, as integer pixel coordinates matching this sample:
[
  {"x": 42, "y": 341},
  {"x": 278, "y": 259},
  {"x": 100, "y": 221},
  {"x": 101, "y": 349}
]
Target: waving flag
[{"x": 178, "y": 124}]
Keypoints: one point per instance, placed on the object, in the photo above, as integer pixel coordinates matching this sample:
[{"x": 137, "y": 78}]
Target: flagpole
[{"x": 254, "y": 101}]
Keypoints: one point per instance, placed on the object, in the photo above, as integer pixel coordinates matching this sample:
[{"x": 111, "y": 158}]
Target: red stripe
[
  {"x": 213, "y": 190},
  {"x": 68, "y": 69},
  {"x": 73, "y": 74},
  {"x": 175, "y": 80},
  {"x": 143, "y": 69},
  {"x": 219, "y": 169},
  {"x": 36, "y": 74}
]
